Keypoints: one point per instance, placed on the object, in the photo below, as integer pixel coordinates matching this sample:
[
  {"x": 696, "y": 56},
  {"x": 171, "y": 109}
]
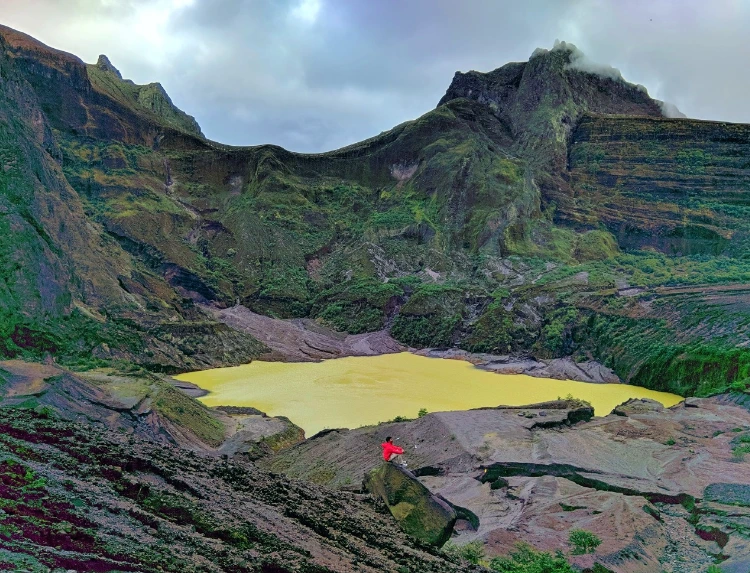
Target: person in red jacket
[{"x": 392, "y": 453}]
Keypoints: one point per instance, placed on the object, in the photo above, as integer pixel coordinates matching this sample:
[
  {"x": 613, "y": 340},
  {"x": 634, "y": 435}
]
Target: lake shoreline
[
  {"x": 356, "y": 391},
  {"x": 305, "y": 340}
]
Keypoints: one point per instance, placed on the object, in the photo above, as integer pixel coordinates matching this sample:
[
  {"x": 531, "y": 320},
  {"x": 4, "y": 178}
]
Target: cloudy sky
[{"x": 313, "y": 75}]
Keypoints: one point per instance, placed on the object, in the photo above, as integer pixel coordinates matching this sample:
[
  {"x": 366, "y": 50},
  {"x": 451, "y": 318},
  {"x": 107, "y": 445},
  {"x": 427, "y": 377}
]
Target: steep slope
[
  {"x": 542, "y": 100},
  {"x": 677, "y": 186},
  {"x": 74, "y": 497},
  {"x": 545, "y": 208},
  {"x": 64, "y": 284}
]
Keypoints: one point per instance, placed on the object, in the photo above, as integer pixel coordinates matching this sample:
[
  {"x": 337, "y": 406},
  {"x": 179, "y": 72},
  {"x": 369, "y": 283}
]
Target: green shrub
[
  {"x": 583, "y": 541},
  {"x": 422, "y": 331},
  {"x": 557, "y": 332},
  {"x": 473, "y": 552},
  {"x": 595, "y": 246},
  {"x": 355, "y": 306},
  {"x": 525, "y": 559},
  {"x": 493, "y": 332},
  {"x": 740, "y": 385},
  {"x": 741, "y": 446},
  {"x": 693, "y": 161}
]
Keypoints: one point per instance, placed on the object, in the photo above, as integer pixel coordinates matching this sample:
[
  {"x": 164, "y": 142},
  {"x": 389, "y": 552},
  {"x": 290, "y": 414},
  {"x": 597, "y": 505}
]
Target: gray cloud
[{"x": 313, "y": 75}]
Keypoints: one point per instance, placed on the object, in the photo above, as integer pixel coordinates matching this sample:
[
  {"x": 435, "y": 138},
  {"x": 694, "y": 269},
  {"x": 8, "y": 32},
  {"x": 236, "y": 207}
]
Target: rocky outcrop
[
  {"x": 556, "y": 368},
  {"x": 660, "y": 487},
  {"x": 417, "y": 511},
  {"x": 543, "y": 99},
  {"x": 148, "y": 406},
  {"x": 105, "y": 65},
  {"x": 255, "y": 434},
  {"x": 304, "y": 340}
]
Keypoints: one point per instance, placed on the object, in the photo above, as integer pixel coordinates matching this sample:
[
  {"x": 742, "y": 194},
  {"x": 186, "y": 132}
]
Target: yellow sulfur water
[{"x": 360, "y": 391}]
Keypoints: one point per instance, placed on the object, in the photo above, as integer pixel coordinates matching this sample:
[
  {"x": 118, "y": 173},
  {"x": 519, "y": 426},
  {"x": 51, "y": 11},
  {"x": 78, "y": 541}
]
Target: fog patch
[
  {"x": 581, "y": 63},
  {"x": 670, "y": 110}
]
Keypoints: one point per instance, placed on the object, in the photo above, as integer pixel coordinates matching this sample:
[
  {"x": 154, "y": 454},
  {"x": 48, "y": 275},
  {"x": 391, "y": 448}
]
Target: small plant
[
  {"x": 740, "y": 447},
  {"x": 740, "y": 385},
  {"x": 577, "y": 402},
  {"x": 670, "y": 442},
  {"x": 422, "y": 413},
  {"x": 473, "y": 552},
  {"x": 525, "y": 559},
  {"x": 583, "y": 541}
]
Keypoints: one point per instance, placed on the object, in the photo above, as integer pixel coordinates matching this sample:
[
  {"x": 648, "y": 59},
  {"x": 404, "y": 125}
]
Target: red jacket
[{"x": 389, "y": 448}]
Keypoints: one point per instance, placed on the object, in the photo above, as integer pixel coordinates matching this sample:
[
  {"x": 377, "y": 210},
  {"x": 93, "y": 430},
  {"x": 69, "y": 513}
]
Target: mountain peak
[
  {"x": 558, "y": 77},
  {"x": 105, "y": 65},
  {"x": 541, "y": 101}
]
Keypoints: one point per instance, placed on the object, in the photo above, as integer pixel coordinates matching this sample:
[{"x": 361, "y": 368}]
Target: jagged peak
[
  {"x": 105, "y": 65},
  {"x": 563, "y": 74},
  {"x": 577, "y": 60}
]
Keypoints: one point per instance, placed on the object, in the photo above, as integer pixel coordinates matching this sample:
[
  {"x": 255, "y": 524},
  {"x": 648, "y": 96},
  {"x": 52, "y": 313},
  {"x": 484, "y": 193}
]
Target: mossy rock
[{"x": 419, "y": 513}]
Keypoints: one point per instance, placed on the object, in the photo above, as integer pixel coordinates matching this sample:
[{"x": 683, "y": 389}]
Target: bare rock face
[
  {"x": 662, "y": 488},
  {"x": 417, "y": 511},
  {"x": 302, "y": 340}
]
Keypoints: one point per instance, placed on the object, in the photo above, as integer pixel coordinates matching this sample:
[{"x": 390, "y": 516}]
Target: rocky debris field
[
  {"x": 87, "y": 499},
  {"x": 664, "y": 489},
  {"x": 557, "y": 368},
  {"x": 304, "y": 340}
]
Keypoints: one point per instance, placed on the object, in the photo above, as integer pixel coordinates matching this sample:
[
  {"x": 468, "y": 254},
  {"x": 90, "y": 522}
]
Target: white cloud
[
  {"x": 306, "y": 11},
  {"x": 317, "y": 74}
]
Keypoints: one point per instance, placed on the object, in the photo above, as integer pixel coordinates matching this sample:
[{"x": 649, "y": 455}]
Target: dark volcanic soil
[{"x": 85, "y": 499}]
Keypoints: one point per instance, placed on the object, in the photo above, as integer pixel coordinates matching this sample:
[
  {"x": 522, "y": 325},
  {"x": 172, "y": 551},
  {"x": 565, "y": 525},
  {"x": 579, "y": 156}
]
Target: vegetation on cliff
[{"x": 539, "y": 209}]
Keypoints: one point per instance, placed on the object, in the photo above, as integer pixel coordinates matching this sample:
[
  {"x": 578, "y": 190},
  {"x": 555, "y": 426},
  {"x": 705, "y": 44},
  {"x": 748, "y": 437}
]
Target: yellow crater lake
[{"x": 364, "y": 390}]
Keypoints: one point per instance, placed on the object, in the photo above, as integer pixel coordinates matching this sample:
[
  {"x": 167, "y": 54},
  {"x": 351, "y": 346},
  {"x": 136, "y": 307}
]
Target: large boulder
[{"x": 419, "y": 513}]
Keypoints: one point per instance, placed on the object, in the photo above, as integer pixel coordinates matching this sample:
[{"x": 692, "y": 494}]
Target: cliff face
[
  {"x": 542, "y": 100},
  {"x": 91, "y": 100},
  {"x": 508, "y": 219},
  {"x": 64, "y": 278},
  {"x": 679, "y": 186}
]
